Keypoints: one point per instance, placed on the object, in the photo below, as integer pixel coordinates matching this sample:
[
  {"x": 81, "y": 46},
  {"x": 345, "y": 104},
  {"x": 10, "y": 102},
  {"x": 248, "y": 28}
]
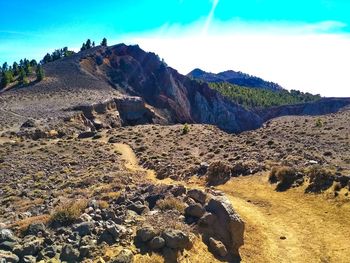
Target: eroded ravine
[{"x": 280, "y": 227}]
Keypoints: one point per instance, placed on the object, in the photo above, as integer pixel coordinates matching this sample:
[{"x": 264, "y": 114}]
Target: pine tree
[
  {"x": 83, "y": 47},
  {"x": 22, "y": 79},
  {"x": 6, "y": 78},
  {"x": 104, "y": 42},
  {"x": 88, "y": 44},
  {"x": 40, "y": 75}
]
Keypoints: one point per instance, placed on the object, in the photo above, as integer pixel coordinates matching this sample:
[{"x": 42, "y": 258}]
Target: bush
[
  {"x": 320, "y": 179},
  {"x": 284, "y": 176},
  {"x": 68, "y": 214},
  {"x": 171, "y": 203},
  {"x": 218, "y": 173},
  {"x": 318, "y": 123},
  {"x": 185, "y": 129}
]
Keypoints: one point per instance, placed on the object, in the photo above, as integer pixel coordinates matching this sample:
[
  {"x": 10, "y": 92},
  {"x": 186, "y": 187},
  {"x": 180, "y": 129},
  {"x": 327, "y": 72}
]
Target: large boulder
[
  {"x": 226, "y": 225},
  {"x": 145, "y": 234},
  {"x": 69, "y": 254},
  {"x": 197, "y": 195},
  {"x": 176, "y": 239}
]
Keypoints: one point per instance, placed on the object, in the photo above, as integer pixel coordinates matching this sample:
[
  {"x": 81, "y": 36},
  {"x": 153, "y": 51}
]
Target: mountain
[
  {"x": 136, "y": 85},
  {"x": 123, "y": 85},
  {"x": 236, "y": 78}
]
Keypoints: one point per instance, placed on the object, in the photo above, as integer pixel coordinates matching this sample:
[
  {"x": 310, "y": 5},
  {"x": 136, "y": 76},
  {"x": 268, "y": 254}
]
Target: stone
[
  {"x": 156, "y": 243},
  {"x": 85, "y": 135},
  {"x": 31, "y": 246},
  {"x": 170, "y": 255},
  {"x": 197, "y": 195},
  {"x": 47, "y": 252},
  {"x": 106, "y": 237},
  {"x": 29, "y": 259},
  {"x": 83, "y": 229},
  {"x": 124, "y": 256},
  {"x": 8, "y": 257},
  {"x": 69, "y": 254},
  {"x": 207, "y": 220},
  {"x": 228, "y": 225},
  {"x": 217, "y": 247},
  {"x": 7, "y": 235},
  {"x": 84, "y": 251},
  {"x": 137, "y": 207},
  {"x": 35, "y": 228},
  {"x": 178, "y": 190},
  {"x": 7, "y": 245},
  {"x": 176, "y": 239},
  {"x": 145, "y": 234},
  {"x": 195, "y": 210}
]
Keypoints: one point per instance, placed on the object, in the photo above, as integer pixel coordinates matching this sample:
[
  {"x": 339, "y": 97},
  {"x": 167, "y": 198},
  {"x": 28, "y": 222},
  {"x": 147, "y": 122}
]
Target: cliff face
[{"x": 174, "y": 97}]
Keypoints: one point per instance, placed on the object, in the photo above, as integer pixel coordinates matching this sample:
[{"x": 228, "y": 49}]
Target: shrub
[
  {"x": 218, "y": 173},
  {"x": 171, "y": 203},
  {"x": 285, "y": 176},
  {"x": 318, "y": 123},
  {"x": 185, "y": 129},
  {"x": 68, "y": 213},
  {"x": 320, "y": 179}
]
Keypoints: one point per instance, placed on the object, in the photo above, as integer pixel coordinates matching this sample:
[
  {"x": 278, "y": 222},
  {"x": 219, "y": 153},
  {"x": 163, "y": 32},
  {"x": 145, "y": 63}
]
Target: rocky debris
[
  {"x": 69, "y": 254},
  {"x": 217, "y": 247},
  {"x": 124, "y": 256}
]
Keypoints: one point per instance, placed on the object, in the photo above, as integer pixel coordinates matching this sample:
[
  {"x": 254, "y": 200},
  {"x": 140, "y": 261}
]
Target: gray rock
[
  {"x": 48, "y": 252},
  {"x": 8, "y": 257},
  {"x": 31, "y": 246},
  {"x": 85, "y": 135},
  {"x": 137, "y": 207},
  {"x": 156, "y": 243},
  {"x": 228, "y": 225},
  {"x": 84, "y": 251},
  {"x": 7, "y": 245},
  {"x": 207, "y": 220},
  {"x": 125, "y": 256},
  {"x": 195, "y": 210},
  {"x": 145, "y": 234},
  {"x": 197, "y": 195},
  {"x": 6, "y": 235},
  {"x": 176, "y": 239},
  {"x": 83, "y": 229},
  {"x": 217, "y": 247},
  {"x": 69, "y": 254},
  {"x": 178, "y": 190},
  {"x": 170, "y": 255}
]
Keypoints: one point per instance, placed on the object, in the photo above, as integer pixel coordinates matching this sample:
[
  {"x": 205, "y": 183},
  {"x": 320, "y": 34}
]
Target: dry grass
[
  {"x": 22, "y": 225},
  {"x": 171, "y": 203},
  {"x": 69, "y": 213}
]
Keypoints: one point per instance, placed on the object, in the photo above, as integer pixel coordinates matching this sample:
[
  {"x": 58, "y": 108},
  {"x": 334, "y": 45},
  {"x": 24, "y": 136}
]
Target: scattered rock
[
  {"x": 217, "y": 247},
  {"x": 195, "y": 210},
  {"x": 69, "y": 254},
  {"x": 8, "y": 257}
]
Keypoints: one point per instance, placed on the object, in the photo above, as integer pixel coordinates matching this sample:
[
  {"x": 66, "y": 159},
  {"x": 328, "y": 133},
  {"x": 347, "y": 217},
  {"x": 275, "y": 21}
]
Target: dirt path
[{"x": 280, "y": 227}]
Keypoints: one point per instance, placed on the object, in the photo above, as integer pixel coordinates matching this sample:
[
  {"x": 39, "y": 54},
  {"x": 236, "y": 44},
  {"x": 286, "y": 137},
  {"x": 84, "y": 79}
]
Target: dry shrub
[
  {"x": 218, "y": 173},
  {"x": 68, "y": 214},
  {"x": 285, "y": 177},
  {"x": 22, "y": 225},
  {"x": 171, "y": 203},
  {"x": 320, "y": 179}
]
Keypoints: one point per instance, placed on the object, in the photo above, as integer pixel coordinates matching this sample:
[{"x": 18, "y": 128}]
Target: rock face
[{"x": 223, "y": 224}]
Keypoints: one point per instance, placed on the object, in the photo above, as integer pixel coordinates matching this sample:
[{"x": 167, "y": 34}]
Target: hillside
[
  {"x": 262, "y": 98},
  {"x": 235, "y": 78}
]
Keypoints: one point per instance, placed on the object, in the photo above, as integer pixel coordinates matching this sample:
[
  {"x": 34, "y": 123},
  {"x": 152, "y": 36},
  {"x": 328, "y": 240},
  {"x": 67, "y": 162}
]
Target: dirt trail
[{"x": 280, "y": 227}]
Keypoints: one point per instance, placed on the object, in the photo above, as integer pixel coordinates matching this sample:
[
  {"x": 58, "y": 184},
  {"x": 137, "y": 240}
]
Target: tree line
[
  {"x": 262, "y": 98},
  {"x": 25, "y": 70}
]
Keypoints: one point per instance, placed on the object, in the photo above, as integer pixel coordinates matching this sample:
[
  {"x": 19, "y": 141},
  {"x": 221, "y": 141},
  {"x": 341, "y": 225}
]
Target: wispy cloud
[{"x": 210, "y": 17}]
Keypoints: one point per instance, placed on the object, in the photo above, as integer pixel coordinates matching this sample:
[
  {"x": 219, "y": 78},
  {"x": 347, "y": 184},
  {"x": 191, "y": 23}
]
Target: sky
[{"x": 300, "y": 44}]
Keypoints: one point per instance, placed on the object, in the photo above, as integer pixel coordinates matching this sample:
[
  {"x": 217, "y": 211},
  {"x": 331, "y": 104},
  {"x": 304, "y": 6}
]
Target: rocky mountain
[
  {"x": 236, "y": 78},
  {"x": 124, "y": 85}
]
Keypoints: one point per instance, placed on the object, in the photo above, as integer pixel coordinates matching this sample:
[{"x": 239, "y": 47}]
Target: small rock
[
  {"x": 137, "y": 207},
  {"x": 29, "y": 259},
  {"x": 69, "y": 254},
  {"x": 83, "y": 229},
  {"x": 195, "y": 210},
  {"x": 85, "y": 135},
  {"x": 125, "y": 256},
  {"x": 217, "y": 247},
  {"x": 145, "y": 234},
  {"x": 156, "y": 243},
  {"x": 197, "y": 195},
  {"x": 8, "y": 257},
  {"x": 35, "y": 228},
  {"x": 176, "y": 239},
  {"x": 6, "y": 235}
]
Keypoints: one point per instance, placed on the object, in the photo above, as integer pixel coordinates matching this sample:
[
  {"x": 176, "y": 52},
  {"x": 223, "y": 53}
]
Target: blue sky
[{"x": 261, "y": 37}]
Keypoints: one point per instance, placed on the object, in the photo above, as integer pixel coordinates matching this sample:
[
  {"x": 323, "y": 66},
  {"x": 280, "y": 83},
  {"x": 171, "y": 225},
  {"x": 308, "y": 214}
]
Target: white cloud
[{"x": 300, "y": 56}]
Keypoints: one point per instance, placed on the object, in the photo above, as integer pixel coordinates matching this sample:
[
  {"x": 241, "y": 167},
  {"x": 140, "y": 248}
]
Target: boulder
[
  {"x": 83, "y": 229},
  {"x": 124, "y": 256},
  {"x": 145, "y": 234},
  {"x": 137, "y": 207},
  {"x": 197, "y": 195},
  {"x": 195, "y": 210},
  {"x": 6, "y": 235},
  {"x": 217, "y": 247},
  {"x": 35, "y": 228},
  {"x": 176, "y": 239},
  {"x": 228, "y": 227},
  {"x": 156, "y": 243},
  {"x": 29, "y": 259},
  {"x": 85, "y": 135}
]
